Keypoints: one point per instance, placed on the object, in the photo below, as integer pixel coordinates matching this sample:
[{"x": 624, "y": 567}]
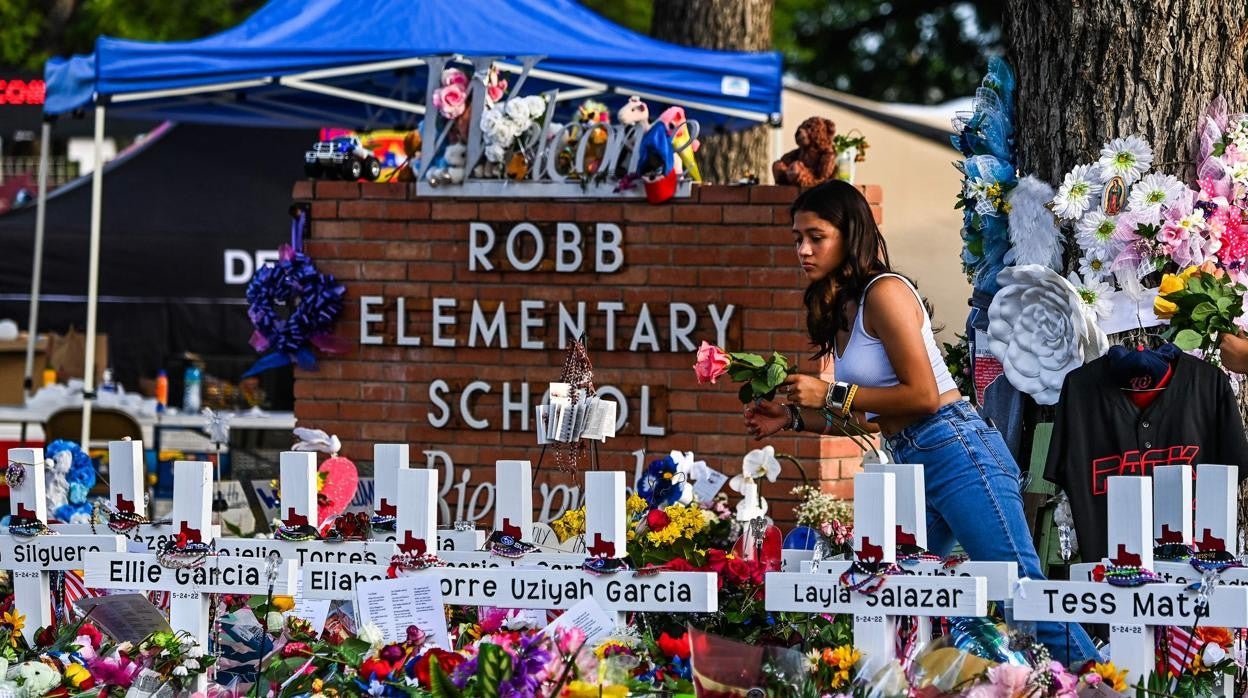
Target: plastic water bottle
[
  {"x": 192, "y": 387},
  {"x": 162, "y": 390}
]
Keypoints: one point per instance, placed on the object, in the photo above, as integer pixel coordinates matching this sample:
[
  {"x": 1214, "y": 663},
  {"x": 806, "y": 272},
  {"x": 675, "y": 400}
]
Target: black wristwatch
[{"x": 838, "y": 392}]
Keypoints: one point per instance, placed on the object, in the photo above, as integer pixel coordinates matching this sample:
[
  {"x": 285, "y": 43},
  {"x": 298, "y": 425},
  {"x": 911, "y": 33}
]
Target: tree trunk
[
  {"x": 728, "y": 25},
  {"x": 1093, "y": 70}
]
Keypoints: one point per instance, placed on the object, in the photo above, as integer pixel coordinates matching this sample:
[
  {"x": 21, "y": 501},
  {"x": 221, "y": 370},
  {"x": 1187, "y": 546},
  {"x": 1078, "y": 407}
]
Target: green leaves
[
  {"x": 760, "y": 376},
  {"x": 354, "y": 650},
  {"x": 493, "y": 668},
  {"x": 440, "y": 684},
  {"x": 1206, "y": 306}
]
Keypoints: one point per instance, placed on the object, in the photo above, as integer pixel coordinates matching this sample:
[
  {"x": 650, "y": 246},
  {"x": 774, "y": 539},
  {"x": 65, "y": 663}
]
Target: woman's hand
[
  {"x": 1234, "y": 351},
  {"x": 805, "y": 391},
  {"x": 764, "y": 418}
]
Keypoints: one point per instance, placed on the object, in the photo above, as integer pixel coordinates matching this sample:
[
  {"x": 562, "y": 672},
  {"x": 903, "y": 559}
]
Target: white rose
[
  {"x": 1212, "y": 655},
  {"x": 517, "y": 109},
  {"x": 492, "y": 121},
  {"x": 536, "y": 105},
  {"x": 1039, "y": 332},
  {"x": 180, "y": 671},
  {"x": 372, "y": 634},
  {"x": 495, "y": 152}
]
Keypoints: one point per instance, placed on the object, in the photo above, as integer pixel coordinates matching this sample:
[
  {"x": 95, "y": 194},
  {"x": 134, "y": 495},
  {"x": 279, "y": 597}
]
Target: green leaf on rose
[
  {"x": 745, "y": 394},
  {"x": 749, "y": 359},
  {"x": 1188, "y": 340},
  {"x": 354, "y": 650},
  {"x": 1203, "y": 311},
  {"x": 760, "y": 385},
  {"x": 741, "y": 373},
  {"x": 776, "y": 375},
  {"x": 780, "y": 359}
]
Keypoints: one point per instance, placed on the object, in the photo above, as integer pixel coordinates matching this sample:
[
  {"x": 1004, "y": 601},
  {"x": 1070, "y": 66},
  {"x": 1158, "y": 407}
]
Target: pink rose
[
  {"x": 454, "y": 76},
  {"x": 1009, "y": 680},
  {"x": 496, "y": 90},
  {"x": 712, "y": 363},
  {"x": 450, "y": 100}
]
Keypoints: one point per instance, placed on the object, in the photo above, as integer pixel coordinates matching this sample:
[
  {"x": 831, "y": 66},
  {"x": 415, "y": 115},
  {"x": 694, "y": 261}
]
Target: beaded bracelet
[
  {"x": 1172, "y": 552},
  {"x": 412, "y": 562},
  {"x": 170, "y": 555},
  {"x": 1129, "y": 576},
  {"x": 388, "y": 524},
  {"x": 28, "y": 527},
  {"x": 302, "y": 532},
  {"x": 849, "y": 399},
  {"x": 873, "y": 574},
  {"x": 604, "y": 565},
  {"x": 1213, "y": 560},
  {"x": 505, "y": 545}
]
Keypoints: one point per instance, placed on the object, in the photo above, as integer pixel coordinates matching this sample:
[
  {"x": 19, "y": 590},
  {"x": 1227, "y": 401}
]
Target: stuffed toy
[
  {"x": 634, "y": 112},
  {"x": 450, "y": 168},
  {"x": 411, "y": 148},
  {"x": 590, "y": 114},
  {"x": 678, "y": 130},
  {"x": 656, "y": 165},
  {"x": 814, "y": 159}
]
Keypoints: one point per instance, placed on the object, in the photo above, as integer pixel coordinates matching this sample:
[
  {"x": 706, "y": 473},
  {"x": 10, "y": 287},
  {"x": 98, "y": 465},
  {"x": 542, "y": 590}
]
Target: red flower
[
  {"x": 657, "y": 520},
  {"x": 447, "y": 661},
  {"x": 45, "y": 637},
  {"x": 296, "y": 649},
  {"x": 58, "y": 692},
  {"x": 92, "y": 633},
  {"x": 375, "y": 668},
  {"x": 674, "y": 646},
  {"x": 738, "y": 571},
  {"x": 679, "y": 564},
  {"x": 716, "y": 559}
]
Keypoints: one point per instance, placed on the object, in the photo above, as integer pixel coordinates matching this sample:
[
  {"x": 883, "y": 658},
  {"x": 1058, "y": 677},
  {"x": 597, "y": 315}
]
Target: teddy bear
[
  {"x": 814, "y": 159},
  {"x": 411, "y": 148},
  {"x": 451, "y": 168}
]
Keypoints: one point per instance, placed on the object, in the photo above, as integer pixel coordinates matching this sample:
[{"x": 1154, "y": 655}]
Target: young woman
[{"x": 890, "y": 376}]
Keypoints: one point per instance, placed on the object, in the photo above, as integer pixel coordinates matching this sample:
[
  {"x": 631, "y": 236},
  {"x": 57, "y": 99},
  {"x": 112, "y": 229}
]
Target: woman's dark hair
[{"x": 866, "y": 256}]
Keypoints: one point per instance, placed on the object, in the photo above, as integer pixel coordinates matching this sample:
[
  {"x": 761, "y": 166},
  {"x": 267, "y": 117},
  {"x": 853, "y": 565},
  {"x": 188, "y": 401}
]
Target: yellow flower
[
  {"x": 1171, "y": 283},
  {"x": 16, "y": 621},
  {"x": 1163, "y": 308},
  {"x": 1112, "y": 675},
  {"x": 841, "y": 660},
  {"x": 77, "y": 674},
  {"x": 584, "y": 689},
  {"x": 283, "y": 603},
  {"x": 1186, "y": 273},
  {"x": 1198, "y": 667},
  {"x": 570, "y": 523},
  {"x": 317, "y": 685},
  {"x": 635, "y": 505}
]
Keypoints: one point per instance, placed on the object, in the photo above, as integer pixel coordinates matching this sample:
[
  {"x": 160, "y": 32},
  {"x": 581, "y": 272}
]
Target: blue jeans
[{"x": 973, "y": 497}]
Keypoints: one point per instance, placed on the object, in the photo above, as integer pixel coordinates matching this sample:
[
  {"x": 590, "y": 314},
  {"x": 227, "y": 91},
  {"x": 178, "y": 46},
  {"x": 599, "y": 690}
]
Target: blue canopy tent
[{"x": 367, "y": 63}]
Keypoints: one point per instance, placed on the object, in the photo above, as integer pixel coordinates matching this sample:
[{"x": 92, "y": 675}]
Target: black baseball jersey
[{"x": 1099, "y": 433}]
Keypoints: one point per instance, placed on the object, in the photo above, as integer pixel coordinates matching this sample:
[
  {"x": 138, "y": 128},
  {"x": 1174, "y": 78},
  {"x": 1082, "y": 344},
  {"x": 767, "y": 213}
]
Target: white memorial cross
[
  {"x": 388, "y": 460},
  {"x": 31, "y": 557},
  {"x": 1216, "y": 510},
  {"x": 527, "y": 586},
  {"x": 126, "y": 495},
  {"x": 1131, "y": 612},
  {"x": 213, "y": 574},
  {"x": 875, "y": 610},
  {"x": 298, "y": 508}
]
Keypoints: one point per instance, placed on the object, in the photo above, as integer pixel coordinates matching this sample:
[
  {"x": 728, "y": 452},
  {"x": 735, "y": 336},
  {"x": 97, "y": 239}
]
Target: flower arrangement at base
[
  {"x": 1201, "y": 303},
  {"x": 831, "y": 516},
  {"x": 759, "y": 377}
]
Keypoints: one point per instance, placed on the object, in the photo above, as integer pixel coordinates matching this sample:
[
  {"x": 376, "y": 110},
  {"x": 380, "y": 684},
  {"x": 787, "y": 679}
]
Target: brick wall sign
[{"x": 460, "y": 312}]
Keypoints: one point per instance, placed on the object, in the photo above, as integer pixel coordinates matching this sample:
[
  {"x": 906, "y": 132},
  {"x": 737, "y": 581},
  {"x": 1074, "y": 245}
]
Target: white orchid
[
  {"x": 760, "y": 463},
  {"x": 372, "y": 634},
  {"x": 757, "y": 464},
  {"x": 692, "y": 469}
]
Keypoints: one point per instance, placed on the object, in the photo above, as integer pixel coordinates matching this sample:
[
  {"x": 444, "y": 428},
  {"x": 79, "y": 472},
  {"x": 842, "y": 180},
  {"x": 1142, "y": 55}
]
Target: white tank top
[{"x": 865, "y": 362}]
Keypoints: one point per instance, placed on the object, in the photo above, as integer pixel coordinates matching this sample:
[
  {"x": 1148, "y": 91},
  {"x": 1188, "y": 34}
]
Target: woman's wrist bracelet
[
  {"x": 849, "y": 399},
  {"x": 796, "y": 423}
]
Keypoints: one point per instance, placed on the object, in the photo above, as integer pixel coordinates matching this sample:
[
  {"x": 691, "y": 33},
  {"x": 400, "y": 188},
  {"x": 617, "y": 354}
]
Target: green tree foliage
[
  {"x": 924, "y": 51},
  {"x": 31, "y": 31}
]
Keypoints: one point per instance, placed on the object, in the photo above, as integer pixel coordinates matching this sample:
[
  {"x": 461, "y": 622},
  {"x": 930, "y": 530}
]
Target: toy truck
[{"x": 341, "y": 157}]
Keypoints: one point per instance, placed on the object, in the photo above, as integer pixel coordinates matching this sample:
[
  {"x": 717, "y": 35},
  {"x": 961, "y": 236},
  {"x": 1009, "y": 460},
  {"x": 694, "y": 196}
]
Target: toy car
[{"x": 341, "y": 157}]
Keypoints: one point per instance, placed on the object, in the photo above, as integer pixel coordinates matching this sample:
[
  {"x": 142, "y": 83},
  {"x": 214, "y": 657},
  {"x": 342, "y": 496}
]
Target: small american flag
[{"x": 1183, "y": 648}]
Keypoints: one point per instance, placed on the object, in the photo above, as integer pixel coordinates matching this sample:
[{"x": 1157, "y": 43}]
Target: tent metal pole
[
  {"x": 93, "y": 276},
  {"x": 777, "y": 148},
  {"x": 36, "y": 276}
]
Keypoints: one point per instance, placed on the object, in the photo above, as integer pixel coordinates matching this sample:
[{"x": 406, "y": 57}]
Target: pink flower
[
  {"x": 113, "y": 671},
  {"x": 569, "y": 639},
  {"x": 1092, "y": 678},
  {"x": 454, "y": 76},
  {"x": 450, "y": 100},
  {"x": 1009, "y": 680},
  {"x": 1064, "y": 682},
  {"x": 496, "y": 90},
  {"x": 712, "y": 363}
]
